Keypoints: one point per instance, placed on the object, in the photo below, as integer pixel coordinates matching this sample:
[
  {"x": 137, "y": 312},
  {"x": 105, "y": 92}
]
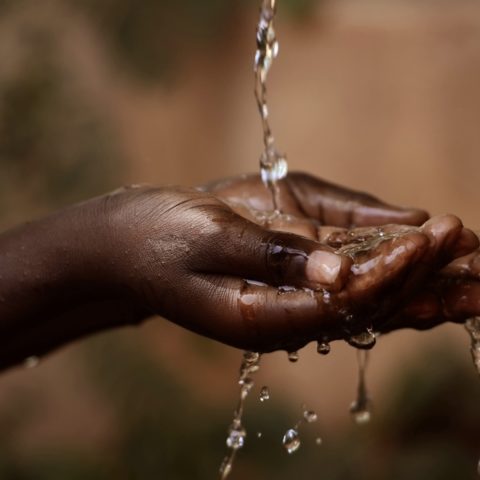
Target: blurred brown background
[{"x": 382, "y": 96}]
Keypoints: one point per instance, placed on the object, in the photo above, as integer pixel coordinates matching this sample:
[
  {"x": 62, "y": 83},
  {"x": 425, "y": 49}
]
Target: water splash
[
  {"x": 264, "y": 394},
  {"x": 273, "y": 165},
  {"x": 472, "y": 325},
  {"x": 361, "y": 408},
  {"x": 236, "y": 432}
]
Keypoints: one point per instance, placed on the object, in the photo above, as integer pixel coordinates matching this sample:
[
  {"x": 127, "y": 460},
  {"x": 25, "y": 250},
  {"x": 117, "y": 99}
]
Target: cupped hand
[
  {"x": 216, "y": 261},
  {"x": 195, "y": 261},
  {"x": 329, "y": 213}
]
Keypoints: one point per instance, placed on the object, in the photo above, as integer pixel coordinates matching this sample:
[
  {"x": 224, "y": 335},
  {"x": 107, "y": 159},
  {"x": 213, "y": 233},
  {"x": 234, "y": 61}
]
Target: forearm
[{"x": 56, "y": 283}]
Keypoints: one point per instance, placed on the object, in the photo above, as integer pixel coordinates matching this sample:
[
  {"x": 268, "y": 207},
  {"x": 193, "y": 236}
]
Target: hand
[
  {"x": 315, "y": 209},
  {"x": 187, "y": 255},
  {"x": 201, "y": 285}
]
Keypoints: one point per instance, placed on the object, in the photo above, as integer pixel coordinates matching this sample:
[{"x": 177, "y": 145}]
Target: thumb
[{"x": 247, "y": 250}]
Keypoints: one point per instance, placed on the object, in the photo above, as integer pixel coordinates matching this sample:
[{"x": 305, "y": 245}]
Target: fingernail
[{"x": 323, "y": 267}]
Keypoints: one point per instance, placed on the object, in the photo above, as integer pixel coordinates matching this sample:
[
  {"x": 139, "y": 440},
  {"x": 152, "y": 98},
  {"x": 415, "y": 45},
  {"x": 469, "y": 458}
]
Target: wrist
[{"x": 54, "y": 261}]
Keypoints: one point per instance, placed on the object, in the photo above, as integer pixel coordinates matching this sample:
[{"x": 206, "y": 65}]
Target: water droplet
[
  {"x": 291, "y": 440},
  {"x": 259, "y": 434},
  {"x": 293, "y": 357},
  {"x": 31, "y": 362},
  {"x": 318, "y": 441},
  {"x": 360, "y": 409},
  {"x": 255, "y": 282},
  {"x": 364, "y": 340},
  {"x": 323, "y": 348},
  {"x": 236, "y": 437},
  {"x": 326, "y": 296},
  {"x": 310, "y": 416},
  {"x": 361, "y": 415},
  {"x": 286, "y": 289},
  {"x": 264, "y": 394}
]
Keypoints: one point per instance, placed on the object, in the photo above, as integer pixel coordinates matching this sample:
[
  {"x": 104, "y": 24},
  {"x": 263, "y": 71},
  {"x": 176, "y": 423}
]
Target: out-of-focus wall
[{"x": 379, "y": 96}]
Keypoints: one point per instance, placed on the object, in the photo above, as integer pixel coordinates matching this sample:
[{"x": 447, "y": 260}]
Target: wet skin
[
  {"x": 343, "y": 219},
  {"x": 453, "y": 295},
  {"x": 185, "y": 254}
]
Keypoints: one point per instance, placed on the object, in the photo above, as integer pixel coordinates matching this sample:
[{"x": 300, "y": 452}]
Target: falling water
[
  {"x": 473, "y": 328},
  {"x": 360, "y": 409},
  {"x": 264, "y": 394},
  {"x": 291, "y": 440},
  {"x": 237, "y": 433},
  {"x": 273, "y": 165},
  {"x": 472, "y": 325}
]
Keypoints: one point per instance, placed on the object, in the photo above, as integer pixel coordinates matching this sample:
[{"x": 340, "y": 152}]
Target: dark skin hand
[
  {"x": 451, "y": 296},
  {"x": 185, "y": 254},
  {"x": 343, "y": 219}
]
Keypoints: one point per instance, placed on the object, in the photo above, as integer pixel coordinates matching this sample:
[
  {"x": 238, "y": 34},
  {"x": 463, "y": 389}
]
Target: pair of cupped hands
[{"x": 333, "y": 264}]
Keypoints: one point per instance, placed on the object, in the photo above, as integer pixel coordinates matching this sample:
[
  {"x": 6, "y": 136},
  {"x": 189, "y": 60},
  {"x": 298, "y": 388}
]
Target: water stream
[
  {"x": 273, "y": 164},
  {"x": 472, "y": 326},
  {"x": 236, "y": 433}
]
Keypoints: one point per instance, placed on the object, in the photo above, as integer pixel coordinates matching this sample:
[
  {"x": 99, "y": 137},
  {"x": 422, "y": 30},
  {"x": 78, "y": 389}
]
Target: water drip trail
[
  {"x": 236, "y": 432},
  {"x": 473, "y": 328},
  {"x": 472, "y": 325},
  {"x": 360, "y": 409},
  {"x": 273, "y": 165}
]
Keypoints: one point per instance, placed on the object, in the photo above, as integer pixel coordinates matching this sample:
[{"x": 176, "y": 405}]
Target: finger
[
  {"x": 385, "y": 264},
  {"x": 462, "y": 301},
  {"x": 466, "y": 243},
  {"x": 449, "y": 303},
  {"x": 424, "y": 312},
  {"x": 247, "y": 250},
  {"x": 335, "y": 205},
  {"x": 392, "y": 267},
  {"x": 448, "y": 236},
  {"x": 467, "y": 266}
]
